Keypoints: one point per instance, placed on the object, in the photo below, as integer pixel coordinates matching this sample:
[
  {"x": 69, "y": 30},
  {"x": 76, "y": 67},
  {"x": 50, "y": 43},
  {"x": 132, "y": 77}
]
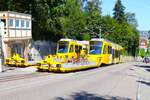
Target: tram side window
[
  {"x": 105, "y": 49},
  {"x": 71, "y": 48},
  {"x": 109, "y": 49},
  {"x": 80, "y": 48},
  {"x": 116, "y": 53},
  {"x": 113, "y": 53},
  {"x": 120, "y": 52},
  {"x": 77, "y": 49}
]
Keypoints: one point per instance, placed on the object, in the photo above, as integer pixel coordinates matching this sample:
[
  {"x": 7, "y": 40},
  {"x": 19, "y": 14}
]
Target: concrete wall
[{"x": 39, "y": 49}]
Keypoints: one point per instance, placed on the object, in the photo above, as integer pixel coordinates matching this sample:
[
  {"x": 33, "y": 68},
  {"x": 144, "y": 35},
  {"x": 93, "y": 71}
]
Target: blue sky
[{"x": 141, "y": 8}]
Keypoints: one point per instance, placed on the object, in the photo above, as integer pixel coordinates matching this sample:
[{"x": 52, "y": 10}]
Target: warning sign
[{"x": 143, "y": 43}]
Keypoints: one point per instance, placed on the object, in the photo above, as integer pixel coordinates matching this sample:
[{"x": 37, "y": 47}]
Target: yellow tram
[
  {"x": 68, "y": 50},
  {"x": 103, "y": 51},
  {"x": 69, "y": 55},
  {"x": 73, "y": 55}
]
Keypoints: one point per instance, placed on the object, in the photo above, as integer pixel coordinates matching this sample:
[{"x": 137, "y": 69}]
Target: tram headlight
[
  {"x": 45, "y": 61},
  {"x": 66, "y": 57},
  {"x": 13, "y": 61},
  {"x": 22, "y": 61},
  {"x": 45, "y": 65},
  {"x": 99, "y": 59},
  {"x": 58, "y": 65},
  {"x": 38, "y": 64},
  {"x": 7, "y": 60}
]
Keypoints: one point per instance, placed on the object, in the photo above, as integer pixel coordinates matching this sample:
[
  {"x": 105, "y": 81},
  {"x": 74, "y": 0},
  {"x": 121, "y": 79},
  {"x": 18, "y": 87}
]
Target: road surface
[{"x": 126, "y": 81}]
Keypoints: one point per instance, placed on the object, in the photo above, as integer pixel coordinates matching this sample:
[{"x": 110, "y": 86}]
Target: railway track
[{"x": 21, "y": 76}]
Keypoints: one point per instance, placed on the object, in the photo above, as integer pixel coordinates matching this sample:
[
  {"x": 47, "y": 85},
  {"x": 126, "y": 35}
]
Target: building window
[
  {"x": 4, "y": 21},
  {"x": 27, "y": 24},
  {"x": 11, "y": 22},
  {"x": 17, "y": 23},
  {"x": 22, "y": 23}
]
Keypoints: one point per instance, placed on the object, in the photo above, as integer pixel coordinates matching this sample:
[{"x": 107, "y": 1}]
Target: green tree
[
  {"x": 130, "y": 17},
  {"x": 73, "y": 22},
  {"x": 119, "y": 13},
  {"x": 142, "y": 53},
  {"x": 93, "y": 16}
]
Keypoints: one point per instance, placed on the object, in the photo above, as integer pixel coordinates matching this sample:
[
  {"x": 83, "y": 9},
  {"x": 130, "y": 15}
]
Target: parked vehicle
[{"x": 146, "y": 59}]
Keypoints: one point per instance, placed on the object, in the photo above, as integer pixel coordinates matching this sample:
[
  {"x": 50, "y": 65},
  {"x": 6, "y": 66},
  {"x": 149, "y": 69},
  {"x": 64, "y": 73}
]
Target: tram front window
[
  {"x": 63, "y": 47},
  {"x": 95, "y": 47}
]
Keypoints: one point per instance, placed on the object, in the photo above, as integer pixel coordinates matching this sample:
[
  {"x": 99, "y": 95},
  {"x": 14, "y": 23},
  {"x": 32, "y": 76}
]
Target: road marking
[{"x": 139, "y": 90}]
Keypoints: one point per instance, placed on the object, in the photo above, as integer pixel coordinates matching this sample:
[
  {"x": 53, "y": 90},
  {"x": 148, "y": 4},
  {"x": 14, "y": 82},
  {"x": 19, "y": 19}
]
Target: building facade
[
  {"x": 17, "y": 33},
  {"x": 144, "y": 40}
]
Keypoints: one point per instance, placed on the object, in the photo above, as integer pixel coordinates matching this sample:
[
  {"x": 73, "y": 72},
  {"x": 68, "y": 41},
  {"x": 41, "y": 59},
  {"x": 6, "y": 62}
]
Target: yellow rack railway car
[
  {"x": 104, "y": 52},
  {"x": 67, "y": 58},
  {"x": 68, "y": 50},
  {"x": 17, "y": 61}
]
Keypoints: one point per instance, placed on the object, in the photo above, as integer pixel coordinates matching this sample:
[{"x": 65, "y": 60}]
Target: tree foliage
[
  {"x": 77, "y": 19},
  {"x": 130, "y": 17},
  {"x": 119, "y": 13}
]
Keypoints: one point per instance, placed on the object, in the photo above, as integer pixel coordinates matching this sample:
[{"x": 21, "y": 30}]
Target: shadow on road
[
  {"x": 143, "y": 82},
  {"x": 143, "y": 66},
  {"x": 83, "y": 95},
  {"x": 146, "y": 67},
  {"x": 148, "y": 70}
]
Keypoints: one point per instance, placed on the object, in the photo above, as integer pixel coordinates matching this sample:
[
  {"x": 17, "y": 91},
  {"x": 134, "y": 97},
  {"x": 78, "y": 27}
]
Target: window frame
[
  {"x": 105, "y": 51},
  {"x": 17, "y": 23},
  {"x": 22, "y": 23},
  {"x": 27, "y": 23},
  {"x": 11, "y": 20},
  {"x": 71, "y": 49}
]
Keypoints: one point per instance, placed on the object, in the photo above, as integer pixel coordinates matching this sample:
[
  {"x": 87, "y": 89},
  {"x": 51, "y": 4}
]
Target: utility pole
[
  {"x": 100, "y": 32},
  {"x": 1, "y": 47}
]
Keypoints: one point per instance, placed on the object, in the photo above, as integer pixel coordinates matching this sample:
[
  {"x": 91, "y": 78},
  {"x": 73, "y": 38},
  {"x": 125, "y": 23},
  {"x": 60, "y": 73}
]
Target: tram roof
[
  {"x": 100, "y": 39},
  {"x": 83, "y": 42},
  {"x": 66, "y": 39},
  {"x": 79, "y": 42}
]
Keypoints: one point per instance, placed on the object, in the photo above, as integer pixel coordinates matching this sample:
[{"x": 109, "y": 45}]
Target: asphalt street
[{"x": 126, "y": 81}]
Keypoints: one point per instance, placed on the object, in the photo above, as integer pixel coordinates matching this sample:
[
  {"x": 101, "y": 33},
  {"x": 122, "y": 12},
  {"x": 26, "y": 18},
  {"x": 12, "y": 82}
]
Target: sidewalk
[
  {"x": 144, "y": 90},
  {"x": 144, "y": 82},
  {"x": 8, "y": 71}
]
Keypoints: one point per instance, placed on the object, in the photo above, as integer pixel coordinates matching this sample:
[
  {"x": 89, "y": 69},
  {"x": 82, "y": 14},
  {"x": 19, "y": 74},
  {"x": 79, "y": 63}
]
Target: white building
[{"x": 17, "y": 32}]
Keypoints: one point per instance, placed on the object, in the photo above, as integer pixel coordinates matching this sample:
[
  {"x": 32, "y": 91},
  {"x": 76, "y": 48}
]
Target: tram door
[
  {"x": 17, "y": 48},
  {"x": 113, "y": 55}
]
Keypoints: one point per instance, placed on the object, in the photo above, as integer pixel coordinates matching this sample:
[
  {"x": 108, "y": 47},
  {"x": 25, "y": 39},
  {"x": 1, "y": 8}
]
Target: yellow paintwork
[
  {"x": 17, "y": 61},
  {"x": 52, "y": 62},
  {"x": 105, "y": 57},
  {"x": 56, "y": 63},
  {"x": 44, "y": 64},
  {"x": 62, "y": 69},
  {"x": 67, "y": 55}
]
